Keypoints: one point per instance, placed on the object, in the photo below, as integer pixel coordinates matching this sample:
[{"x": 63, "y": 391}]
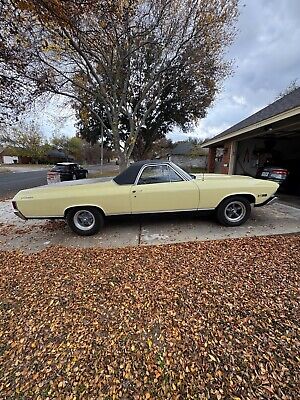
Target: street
[{"x": 11, "y": 182}]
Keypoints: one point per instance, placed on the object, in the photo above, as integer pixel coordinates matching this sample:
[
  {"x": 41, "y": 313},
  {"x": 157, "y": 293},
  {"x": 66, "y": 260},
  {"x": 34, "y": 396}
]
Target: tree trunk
[{"x": 123, "y": 163}]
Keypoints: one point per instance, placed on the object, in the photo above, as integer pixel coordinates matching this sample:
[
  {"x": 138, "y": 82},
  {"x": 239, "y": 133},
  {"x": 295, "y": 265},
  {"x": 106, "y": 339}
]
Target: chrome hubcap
[
  {"x": 84, "y": 220},
  {"x": 235, "y": 211}
]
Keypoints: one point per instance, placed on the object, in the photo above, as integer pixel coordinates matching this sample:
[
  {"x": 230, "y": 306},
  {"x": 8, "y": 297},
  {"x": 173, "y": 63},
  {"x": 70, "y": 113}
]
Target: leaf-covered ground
[{"x": 210, "y": 320}]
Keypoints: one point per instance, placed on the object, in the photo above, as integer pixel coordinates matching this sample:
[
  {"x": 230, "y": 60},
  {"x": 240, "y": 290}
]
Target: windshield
[
  {"x": 181, "y": 171},
  {"x": 59, "y": 168}
]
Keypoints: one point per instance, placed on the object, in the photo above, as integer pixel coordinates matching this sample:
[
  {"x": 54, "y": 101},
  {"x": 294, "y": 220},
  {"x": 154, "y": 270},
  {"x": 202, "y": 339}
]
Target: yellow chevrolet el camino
[{"x": 145, "y": 187}]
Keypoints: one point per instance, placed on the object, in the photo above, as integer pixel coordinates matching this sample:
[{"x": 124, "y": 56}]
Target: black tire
[
  {"x": 234, "y": 211},
  {"x": 85, "y": 221},
  {"x": 74, "y": 177}
]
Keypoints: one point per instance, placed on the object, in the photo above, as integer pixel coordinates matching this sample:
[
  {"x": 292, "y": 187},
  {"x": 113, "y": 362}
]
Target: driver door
[{"x": 161, "y": 189}]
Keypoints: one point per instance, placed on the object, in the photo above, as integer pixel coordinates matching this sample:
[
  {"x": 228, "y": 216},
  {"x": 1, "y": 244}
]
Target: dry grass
[{"x": 4, "y": 169}]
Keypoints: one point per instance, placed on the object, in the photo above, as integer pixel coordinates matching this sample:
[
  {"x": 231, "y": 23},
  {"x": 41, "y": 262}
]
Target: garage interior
[{"x": 277, "y": 145}]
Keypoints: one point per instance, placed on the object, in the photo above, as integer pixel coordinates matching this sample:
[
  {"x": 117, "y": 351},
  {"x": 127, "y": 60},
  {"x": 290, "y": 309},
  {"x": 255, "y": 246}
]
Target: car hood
[{"x": 236, "y": 180}]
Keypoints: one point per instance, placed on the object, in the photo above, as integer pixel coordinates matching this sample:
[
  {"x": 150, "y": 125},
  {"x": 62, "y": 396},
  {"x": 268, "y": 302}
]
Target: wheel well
[
  {"x": 78, "y": 207},
  {"x": 249, "y": 197}
]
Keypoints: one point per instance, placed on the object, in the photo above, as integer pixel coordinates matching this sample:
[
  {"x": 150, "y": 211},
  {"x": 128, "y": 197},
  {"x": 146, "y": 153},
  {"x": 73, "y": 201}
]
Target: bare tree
[
  {"x": 25, "y": 138},
  {"x": 293, "y": 85},
  {"x": 123, "y": 54}
]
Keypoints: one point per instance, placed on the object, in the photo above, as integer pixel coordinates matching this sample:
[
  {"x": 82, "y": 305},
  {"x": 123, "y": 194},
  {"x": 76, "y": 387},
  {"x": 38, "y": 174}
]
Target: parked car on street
[
  {"x": 66, "y": 171},
  {"x": 153, "y": 186}
]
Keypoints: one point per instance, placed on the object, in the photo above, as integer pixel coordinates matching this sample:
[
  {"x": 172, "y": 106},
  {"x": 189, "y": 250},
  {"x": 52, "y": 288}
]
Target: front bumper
[{"x": 270, "y": 200}]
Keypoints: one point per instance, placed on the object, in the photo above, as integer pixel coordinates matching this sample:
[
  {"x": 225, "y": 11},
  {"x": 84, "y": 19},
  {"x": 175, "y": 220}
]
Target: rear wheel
[
  {"x": 234, "y": 211},
  {"x": 85, "y": 221}
]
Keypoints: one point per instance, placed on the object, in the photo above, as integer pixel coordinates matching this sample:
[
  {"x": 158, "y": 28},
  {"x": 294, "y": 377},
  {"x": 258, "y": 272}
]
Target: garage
[{"x": 269, "y": 138}]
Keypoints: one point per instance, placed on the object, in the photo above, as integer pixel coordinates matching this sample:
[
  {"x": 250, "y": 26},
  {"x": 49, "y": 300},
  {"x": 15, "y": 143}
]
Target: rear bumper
[
  {"x": 270, "y": 200},
  {"x": 16, "y": 210},
  {"x": 20, "y": 215}
]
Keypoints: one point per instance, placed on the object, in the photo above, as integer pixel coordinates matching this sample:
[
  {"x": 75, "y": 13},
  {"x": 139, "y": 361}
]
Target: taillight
[{"x": 279, "y": 173}]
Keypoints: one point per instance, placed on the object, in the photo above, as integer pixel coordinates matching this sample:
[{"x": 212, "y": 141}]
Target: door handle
[{"x": 137, "y": 190}]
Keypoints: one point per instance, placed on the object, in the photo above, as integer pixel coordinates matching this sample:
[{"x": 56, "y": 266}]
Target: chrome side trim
[
  {"x": 122, "y": 213},
  {"x": 45, "y": 217},
  {"x": 164, "y": 211}
]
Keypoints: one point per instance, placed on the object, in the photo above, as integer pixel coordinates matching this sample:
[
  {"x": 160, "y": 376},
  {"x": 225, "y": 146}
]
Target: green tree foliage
[{"x": 73, "y": 146}]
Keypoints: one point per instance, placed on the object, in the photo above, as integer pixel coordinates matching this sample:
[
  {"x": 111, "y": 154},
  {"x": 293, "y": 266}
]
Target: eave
[{"x": 276, "y": 118}]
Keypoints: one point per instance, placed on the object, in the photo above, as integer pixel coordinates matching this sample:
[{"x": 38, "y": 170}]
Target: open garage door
[{"x": 279, "y": 149}]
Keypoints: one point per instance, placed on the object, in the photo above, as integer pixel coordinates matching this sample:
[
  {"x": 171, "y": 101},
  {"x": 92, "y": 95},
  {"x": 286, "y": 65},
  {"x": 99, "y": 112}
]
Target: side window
[{"x": 158, "y": 174}]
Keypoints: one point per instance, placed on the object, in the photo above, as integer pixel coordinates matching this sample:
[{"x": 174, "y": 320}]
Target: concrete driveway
[{"x": 142, "y": 230}]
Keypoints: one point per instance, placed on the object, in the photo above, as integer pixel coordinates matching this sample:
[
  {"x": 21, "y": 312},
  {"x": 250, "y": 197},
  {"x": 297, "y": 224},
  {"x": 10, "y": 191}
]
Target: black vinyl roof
[{"x": 128, "y": 176}]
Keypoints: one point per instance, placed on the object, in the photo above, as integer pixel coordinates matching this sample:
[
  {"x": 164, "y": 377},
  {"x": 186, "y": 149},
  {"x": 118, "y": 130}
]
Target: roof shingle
[{"x": 288, "y": 102}]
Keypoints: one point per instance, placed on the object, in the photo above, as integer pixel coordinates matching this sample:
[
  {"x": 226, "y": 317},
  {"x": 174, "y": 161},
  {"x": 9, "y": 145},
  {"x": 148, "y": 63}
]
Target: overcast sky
[
  {"x": 266, "y": 59},
  {"x": 266, "y": 55}
]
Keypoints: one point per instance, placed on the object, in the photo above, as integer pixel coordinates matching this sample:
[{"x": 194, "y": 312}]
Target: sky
[
  {"x": 266, "y": 59},
  {"x": 266, "y": 55}
]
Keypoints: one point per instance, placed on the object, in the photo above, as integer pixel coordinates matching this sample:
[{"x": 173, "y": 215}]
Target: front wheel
[
  {"x": 234, "y": 211},
  {"x": 85, "y": 221}
]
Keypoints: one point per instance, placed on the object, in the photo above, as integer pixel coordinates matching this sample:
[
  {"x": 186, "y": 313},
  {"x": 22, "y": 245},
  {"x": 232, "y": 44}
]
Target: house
[
  {"x": 7, "y": 156},
  {"x": 271, "y": 134},
  {"x": 188, "y": 154}
]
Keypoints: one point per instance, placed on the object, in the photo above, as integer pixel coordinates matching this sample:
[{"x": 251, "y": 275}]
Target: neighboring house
[
  {"x": 7, "y": 157},
  {"x": 271, "y": 134},
  {"x": 189, "y": 154}
]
